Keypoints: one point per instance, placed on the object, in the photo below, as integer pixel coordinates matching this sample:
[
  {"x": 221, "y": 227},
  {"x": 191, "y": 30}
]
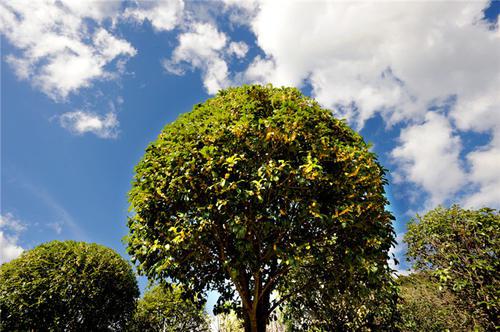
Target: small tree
[
  {"x": 165, "y": 309},
  {"x": 426, "y": 307},
  {"x": 71, "y": 286},
  {"x": 343, "y": 298},
  {"x": 250, "y": 185},
  {"x": 461, "y": 248}
]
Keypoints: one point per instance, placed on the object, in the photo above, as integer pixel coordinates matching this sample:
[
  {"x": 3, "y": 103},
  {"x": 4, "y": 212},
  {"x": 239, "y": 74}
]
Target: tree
[
  {"x": 461, "y": 248},
  {"x": 71, "y": 286},
  {"x": 426, "y": 307},
  {"x": 166, "y": 309},
  {"x": 237, "y": 192}
]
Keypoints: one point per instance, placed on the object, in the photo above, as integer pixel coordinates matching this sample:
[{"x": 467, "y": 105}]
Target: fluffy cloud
[
  {"x": 200, "y": 46},
  {"x": 163, "y": 15},
  {"x": 10, "y": 228},
  {"x": 428, "y": 155},
  {"x": 484, "y": 174},
  {"x": 203, "y": 47},
  {"x": 80, "y": 122},
  {"x": 239, "y": 49},
  {"x": 391, "y": 58},
  {"x": 398, "y": 60},
  {"x": 60, "y": 52},
  {"x": 8, "y": 248}
]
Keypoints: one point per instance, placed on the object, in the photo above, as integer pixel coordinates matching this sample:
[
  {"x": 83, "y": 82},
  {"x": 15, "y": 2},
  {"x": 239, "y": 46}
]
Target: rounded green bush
[{"x": 70, "y": 286}]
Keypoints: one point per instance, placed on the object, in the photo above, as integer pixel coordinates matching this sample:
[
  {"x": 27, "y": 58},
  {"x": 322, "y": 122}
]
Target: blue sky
[{"x": 85, "y": 86}]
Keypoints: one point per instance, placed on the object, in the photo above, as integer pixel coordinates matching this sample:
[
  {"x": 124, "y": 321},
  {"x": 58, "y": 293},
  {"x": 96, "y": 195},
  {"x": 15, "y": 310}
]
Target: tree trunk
[
  {"x": 255, "y": 314},
  {"x": 256, "y": 320}
]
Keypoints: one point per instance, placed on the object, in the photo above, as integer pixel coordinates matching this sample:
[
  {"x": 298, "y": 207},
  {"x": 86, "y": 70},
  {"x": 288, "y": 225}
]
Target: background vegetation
[
  {"x": 165, "y": 308},
  {"x": 426, "y": 307},
  {"x": 460, "y": 248}
]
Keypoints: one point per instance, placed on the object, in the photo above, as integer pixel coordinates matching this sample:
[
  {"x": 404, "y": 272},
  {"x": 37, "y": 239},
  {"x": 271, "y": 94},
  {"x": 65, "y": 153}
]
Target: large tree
[
  {"x": 461, "y": 248},
  {"x": 249, "y": 185},
  {"x": 67, "y": 286}
]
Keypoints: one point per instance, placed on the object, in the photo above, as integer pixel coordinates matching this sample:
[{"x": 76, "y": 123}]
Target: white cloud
[
  {"x": 205, "y": 48},
  {"x": 428, "y": 155},
  {"x": 9, "y": 222},
  {"x": 392, "y": 58},
  {"x": 10, "y": 228},
  {"x": 80, "y": 122},
  {"x": 239, "y": 49},
  {"x": 247, "y": 6},
  {"x": 485, "y": 165},
  {"x": 110, "y": 47},
  {"x": 60, "y": 52},
  {"x": 96, "y": 10},
  {"x": 164, "y": 15},
  {"x": 202, "y": 48},
  {"x": 260, "y": 70},
  {"x": 8, "y": 248}
]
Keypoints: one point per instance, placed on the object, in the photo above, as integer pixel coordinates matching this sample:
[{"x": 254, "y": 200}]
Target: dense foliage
[
  {"x": 252, "y": 184},
  {"x": 343, "y": 298},
  {"x": 70, "y": 286},
  {"x": 166, "y": 309},
  {"x": 461, "y": 248},
  {"x": 426, "y": 307}
]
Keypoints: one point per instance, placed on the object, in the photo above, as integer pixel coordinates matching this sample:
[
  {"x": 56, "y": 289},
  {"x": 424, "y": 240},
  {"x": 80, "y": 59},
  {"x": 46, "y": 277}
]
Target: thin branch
[{"x": 273, "y": 279}]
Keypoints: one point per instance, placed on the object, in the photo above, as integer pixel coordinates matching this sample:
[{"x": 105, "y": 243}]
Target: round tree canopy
[
  {"x": 252, "y": 183},
  {"x": 71, "y": 286}
]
